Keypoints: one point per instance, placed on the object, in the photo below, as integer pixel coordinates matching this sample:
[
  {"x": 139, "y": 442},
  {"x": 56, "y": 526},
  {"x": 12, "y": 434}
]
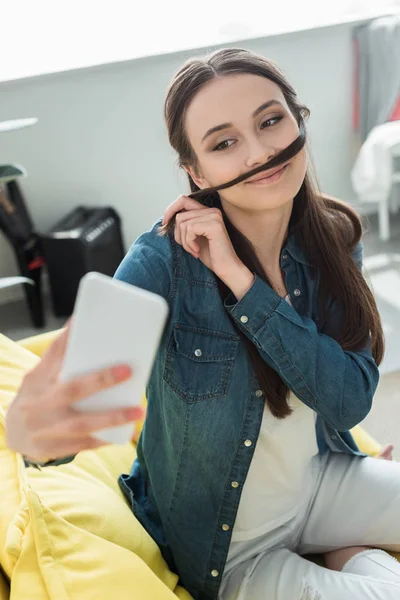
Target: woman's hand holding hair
[{"x": 201, "y": 231}]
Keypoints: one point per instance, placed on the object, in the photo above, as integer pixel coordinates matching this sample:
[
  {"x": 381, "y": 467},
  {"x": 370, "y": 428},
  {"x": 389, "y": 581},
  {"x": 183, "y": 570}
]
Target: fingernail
[{"x": 121, "y": 372}]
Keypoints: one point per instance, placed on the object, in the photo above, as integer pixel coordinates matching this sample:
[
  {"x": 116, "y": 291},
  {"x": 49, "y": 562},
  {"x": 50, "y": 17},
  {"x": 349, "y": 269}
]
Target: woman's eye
[
  {"x": 224, "y": 145},
  {"x": 270, "y": 122},
  {"x": 228, "y": 143}
]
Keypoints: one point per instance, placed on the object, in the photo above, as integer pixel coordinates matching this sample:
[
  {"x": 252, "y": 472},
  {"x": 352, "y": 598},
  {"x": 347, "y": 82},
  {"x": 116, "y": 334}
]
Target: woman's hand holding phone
[{"x": 41, "y": 423}]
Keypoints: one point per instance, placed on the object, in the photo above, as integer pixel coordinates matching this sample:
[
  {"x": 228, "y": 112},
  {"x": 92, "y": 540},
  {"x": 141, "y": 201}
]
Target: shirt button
[
  {"x": 244, "y": 319},
  {"x": 334, "y": 437},
  {"x": 214, "y": 573},
  {"x": 284, "y": 256},
  {"x": 198, "y": 352},
  {"x": 234, "y": 484},
  {"x": 297, "y": 292},
  {"x": 225, "y": 527},
  {"x": 248, "y": 443},
  {"x": 259, "y": 393}
]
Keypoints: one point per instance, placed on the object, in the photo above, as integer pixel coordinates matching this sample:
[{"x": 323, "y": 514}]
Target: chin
[
  {"x": 260, "y": 200},
  {"x": 282, "y": 194}
]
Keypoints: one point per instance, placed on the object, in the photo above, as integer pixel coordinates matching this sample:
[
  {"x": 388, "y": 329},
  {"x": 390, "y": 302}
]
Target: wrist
[
  {"x": 239, "y": 280},
  {"x": 33, "y": 462}
]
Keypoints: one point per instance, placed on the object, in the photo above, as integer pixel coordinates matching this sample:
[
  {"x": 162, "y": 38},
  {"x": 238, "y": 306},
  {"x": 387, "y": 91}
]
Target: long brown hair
[{"x": 328, "y": 229}]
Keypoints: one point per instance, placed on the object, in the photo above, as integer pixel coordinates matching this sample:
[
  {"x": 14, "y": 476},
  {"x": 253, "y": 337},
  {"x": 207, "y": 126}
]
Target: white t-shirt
[{"x": 280, "y": 474}]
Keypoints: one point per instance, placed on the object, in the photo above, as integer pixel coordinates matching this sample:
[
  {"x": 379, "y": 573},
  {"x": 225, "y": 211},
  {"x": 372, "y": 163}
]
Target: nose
[{"x": 258, "y": 153}]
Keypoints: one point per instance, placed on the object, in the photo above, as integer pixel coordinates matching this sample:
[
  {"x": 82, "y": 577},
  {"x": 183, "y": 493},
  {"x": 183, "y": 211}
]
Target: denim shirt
[{"x": 204, "y": 400}]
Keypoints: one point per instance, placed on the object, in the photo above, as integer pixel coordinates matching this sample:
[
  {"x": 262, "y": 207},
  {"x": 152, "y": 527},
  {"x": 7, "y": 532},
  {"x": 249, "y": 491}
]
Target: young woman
[{"x": 270, "y": 356}]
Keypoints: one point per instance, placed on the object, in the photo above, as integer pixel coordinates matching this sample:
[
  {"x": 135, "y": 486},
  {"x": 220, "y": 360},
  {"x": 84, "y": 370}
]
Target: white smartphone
[{"x": 114, "y": 323}]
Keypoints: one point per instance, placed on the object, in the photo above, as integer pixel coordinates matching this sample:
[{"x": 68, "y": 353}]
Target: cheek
[
  {"x": 295, "y": 176},
  {"x": 220, "y": 169},
  {"x": 226, "y": 172},
  {"x": 299, "y": 165}
]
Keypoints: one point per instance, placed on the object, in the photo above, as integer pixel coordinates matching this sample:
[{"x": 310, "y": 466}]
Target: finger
[
  {"x": 64, "y": 448},
  {"x": 181, "y": 218},
  {"x": 387, "y": 452},
  {"x": 182, "y": 203},
  {"x": 184, "y": 222},
  {"x": 62, "y": 347},
  {"x": 52, "y": 359},
  {"x": 57, "y": 348},
  {"x": 178, "y": 233},
  {"x": 187, "y": 215},
  {"x": 91, "y": 383},
  {"x": 80, "y": 424},
  {"x": 181, "y": 222},
  {"x": 187, "y": 244},
  {"x": 80, "y": 445},
  {"x": 208, "y": 214},
  {"x": 206, "y": 227},
  {"x": 191, "y": 238}
]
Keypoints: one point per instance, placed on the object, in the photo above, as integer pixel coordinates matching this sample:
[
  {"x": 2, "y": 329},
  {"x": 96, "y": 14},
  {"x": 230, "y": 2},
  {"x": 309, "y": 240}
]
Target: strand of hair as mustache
[{"x": 286, "y": 154}]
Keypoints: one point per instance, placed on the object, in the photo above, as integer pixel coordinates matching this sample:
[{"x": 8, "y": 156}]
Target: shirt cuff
[
  {"x": 50, "y": 463},
  {"x": 255, "y": 307}
]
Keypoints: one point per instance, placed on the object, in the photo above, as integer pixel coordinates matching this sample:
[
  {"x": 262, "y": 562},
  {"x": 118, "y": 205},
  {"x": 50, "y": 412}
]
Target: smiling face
[{"x": 236, "y": 123}]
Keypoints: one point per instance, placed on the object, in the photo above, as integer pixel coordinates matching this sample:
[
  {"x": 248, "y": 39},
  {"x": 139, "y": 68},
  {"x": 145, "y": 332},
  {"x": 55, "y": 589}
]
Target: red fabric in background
[{"x": 395, "y": 116}]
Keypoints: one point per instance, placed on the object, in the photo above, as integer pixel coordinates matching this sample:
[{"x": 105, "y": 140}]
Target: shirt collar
[{"x": 296, "y": 250}]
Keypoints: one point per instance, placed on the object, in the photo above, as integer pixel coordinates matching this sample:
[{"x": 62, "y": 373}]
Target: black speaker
[{"x": 87, "y": 239}]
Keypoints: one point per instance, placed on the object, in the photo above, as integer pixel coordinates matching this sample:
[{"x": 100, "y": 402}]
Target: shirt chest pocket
[{"x": 199, "y": 362}]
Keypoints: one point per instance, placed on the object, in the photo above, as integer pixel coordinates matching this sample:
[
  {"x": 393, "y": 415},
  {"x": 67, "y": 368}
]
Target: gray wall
[{"x": 101, "y": 137}]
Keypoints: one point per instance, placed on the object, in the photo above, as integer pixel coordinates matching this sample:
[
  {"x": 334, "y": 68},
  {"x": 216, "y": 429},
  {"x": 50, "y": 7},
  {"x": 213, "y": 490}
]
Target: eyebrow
[{"x": 258, "y": 110}]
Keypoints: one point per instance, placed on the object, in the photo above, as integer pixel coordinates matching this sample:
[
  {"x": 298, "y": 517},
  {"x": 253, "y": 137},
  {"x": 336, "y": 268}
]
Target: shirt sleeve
[
  {"x": 149, "y": 264},
  {"x": 339, "y": 385}
]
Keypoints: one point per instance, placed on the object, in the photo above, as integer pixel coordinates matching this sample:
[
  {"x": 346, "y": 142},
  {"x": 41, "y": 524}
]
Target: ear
[{"x": 199, "y": 180}]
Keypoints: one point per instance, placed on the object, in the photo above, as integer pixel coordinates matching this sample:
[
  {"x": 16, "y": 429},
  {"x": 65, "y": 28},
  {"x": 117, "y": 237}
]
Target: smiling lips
[{"x": 264, "y": 178}]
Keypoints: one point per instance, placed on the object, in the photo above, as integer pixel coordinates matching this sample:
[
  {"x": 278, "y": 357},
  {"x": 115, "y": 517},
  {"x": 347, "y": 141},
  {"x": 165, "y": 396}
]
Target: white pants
[{"x": 356, "y": 502}]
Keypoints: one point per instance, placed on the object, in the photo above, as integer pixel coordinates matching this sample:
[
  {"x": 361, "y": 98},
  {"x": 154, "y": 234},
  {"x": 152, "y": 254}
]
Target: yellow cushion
[
  {"x": 365, "y": 442},
  {"x": 66, "y": 532}
]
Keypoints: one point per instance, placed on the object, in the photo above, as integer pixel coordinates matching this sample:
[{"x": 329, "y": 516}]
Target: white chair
[
  {"x": 375, "y": 175},
  {"x": 6, "y": 282},
  {"x": 391, "y": 201}
]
